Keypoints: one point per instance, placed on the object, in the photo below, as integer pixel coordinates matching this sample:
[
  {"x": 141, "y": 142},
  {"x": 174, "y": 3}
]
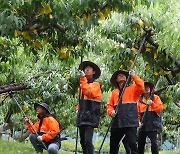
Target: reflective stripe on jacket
[
  {"x": 89, "y": 106},
  {"x": 152, "y": 120},
  {"x": 127, "y": 115},
  {"x": 49, "y": 128}
]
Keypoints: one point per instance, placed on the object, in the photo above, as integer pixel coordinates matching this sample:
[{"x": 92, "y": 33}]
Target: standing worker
[
  {"x": 47, "y": 129},
  {"x": 151, "y": 122},
  {"x": 125, "y": 120},
  {"x": 89, "y": 106}
]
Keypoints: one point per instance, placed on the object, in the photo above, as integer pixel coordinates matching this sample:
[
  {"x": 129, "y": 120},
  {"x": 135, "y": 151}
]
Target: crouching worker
[
  {"x": 88, "y": 114},
  {"x": 45, "y": 131}
]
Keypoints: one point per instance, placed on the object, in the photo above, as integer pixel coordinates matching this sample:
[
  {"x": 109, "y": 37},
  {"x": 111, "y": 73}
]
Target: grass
[{"x": 14, "y": 147}]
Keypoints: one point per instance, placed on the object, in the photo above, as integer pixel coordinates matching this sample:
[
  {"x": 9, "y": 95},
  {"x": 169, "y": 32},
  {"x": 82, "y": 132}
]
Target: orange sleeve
[
  {"x": 110, "y": 104},
  {"x": 91, "y": 90},
  {"x": 54, "y": 129},
  {"x": 29, "y": 126},
  {"x": 139, "y": 86},
  {"x": 157, "y": 105}
]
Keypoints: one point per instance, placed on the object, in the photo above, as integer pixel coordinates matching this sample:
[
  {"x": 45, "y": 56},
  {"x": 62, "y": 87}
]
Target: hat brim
[
  {"x": 151, "y": 85},
  {"x": 97, "y": 70},
  {"x": 38, "y": 104},
  {"x": 115, "y": 74}
]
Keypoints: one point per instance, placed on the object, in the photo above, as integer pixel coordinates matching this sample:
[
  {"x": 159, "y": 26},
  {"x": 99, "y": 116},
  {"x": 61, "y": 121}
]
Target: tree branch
[
  {"x": 59, "y": 27},
  {"x": 13, "y": 87},
  {"x": 156, "y": 45},
  {"x": 160, "y": 90},
  {"x": 169, "y": 79}
]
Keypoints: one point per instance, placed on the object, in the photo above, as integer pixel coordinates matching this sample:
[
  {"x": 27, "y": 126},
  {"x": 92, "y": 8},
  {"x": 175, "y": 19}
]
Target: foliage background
[{"x": 41, "y": 44}]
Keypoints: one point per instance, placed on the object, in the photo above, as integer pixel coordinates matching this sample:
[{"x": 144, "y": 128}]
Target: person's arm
[
  {"x": 110, "y": 105},
  {"x": 29, "y": 125},
  {"x": 91, "y": 90},
  {"x": 157, "y": 105},
  {"x": 54, "y": 129},
  {"x": 139, "y": 86}
]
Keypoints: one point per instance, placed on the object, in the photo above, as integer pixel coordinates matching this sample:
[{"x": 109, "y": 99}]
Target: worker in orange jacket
[
  {"x": 47, "y": 129},
  {"x": 88, "y": 113},
  {"x": 125, "y": 120},
  {"x": 151, "y": 122}
]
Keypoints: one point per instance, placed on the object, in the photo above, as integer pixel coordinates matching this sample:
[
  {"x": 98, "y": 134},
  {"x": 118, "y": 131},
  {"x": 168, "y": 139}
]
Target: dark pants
[
  {"x": 116, "y": 136},
  {"x": 86, "y": 135},
  {"x": 142, "y": 141},
  {"x": 38, "y": 146},
  {"x": 126, "y": 145}
]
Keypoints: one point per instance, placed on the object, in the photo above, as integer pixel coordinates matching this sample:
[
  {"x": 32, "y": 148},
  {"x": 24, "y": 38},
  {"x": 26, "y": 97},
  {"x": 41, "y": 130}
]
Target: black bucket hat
[
  {"x": 44, "y": 105},
  {"x": 97, "y": 70},
  {"x": 151, "y": 85},
  {"x": 115, "y": 74}
]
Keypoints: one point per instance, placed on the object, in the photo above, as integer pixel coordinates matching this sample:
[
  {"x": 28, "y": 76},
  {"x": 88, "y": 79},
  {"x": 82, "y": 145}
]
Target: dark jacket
[
  {"x": 89, "y": 106},
  {"x": 152, "y": 120},
  {"x": 127, "y": 115}
]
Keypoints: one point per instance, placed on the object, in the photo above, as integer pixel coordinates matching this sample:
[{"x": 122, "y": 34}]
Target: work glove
[
  {"x": 149, "y": 102},
  {"x": 26, "y": 118},
  {"x": 39, "y": 138},
  {"x": 113, "y": 114},
  {"x": 131, "y": 72},
  {"x": 81, "y": 73},
  {"x": 140, "y": 124}
]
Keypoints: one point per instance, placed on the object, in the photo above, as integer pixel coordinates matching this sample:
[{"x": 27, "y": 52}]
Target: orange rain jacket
[
  {"x": 89, "y": 106},
  {"x": 127, "y": 115},
  {"x": 152, "y": 120},
  {"x": 49, "y": 128}
]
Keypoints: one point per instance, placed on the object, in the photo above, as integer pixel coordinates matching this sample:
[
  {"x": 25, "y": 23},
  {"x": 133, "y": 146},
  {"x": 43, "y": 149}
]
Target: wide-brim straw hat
[
  {"x": 115, "y": 74},
  {"x": 97, "y": 70},
  {"x": 44, "y": 105}
]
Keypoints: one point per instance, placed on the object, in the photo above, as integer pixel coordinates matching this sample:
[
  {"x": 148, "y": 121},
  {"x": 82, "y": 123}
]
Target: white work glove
[
  {"x": 81, "y": 73},
  {"x": 149, "y": 102},
  {"x": 113, "y": 114},
  {"x": 26, "y": 118},
  {"x": 140, "y": 124},
  {"x": 131, "y": 72},
  {"x": 39, "y": 138}
]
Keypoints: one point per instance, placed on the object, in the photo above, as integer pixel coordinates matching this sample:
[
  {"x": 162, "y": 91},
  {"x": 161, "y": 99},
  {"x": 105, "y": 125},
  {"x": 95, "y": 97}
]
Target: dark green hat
[
  {"x": 44, "y": 105},
  {"x": 97, "y": 70},
  {"x": 115, "y": 74}
]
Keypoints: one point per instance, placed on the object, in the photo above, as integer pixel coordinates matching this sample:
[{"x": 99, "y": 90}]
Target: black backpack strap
[{"x": 40, "y": 124}]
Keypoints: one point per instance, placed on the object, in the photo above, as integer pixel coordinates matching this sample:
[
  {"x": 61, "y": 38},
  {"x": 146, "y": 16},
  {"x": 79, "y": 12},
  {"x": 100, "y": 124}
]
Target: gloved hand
[
  {"x": 149, "y": 102},
  {"x": 81, "y": 73},
  {"x": 39, "y": 138},
  {"x": 140, "y": 124},
  {"x": 131, "y": 72},
  {"x": 26, "y": 118},
  {"x": 113, "y": 114}
]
